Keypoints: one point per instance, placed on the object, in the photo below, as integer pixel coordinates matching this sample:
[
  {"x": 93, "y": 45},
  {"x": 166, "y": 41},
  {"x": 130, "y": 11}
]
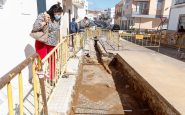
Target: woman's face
[{"x": 57, "y": 15}]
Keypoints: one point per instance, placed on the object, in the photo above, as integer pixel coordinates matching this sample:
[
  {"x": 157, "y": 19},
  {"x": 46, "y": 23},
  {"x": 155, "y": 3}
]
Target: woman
[{"x": 52, "y": 17}]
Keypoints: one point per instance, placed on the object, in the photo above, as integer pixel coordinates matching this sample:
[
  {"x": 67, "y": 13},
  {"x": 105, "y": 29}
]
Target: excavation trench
[{"x": 102, "y": 89}]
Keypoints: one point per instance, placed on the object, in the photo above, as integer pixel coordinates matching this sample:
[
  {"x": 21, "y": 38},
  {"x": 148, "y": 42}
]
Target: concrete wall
[
  {"x": 153, "y": 7},
  {"x": 16, "y": 22},
  {"x": 167, "y": 5},
  {"x": 165, "y": 8},
  {"x": 174, "y": 17}
]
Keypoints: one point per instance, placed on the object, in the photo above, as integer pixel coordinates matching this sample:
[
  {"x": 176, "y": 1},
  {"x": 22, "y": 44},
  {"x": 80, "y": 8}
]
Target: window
[
  {"x": 181, "y": 21},
  {"x": 160, "y": 4},
  {"x": 142, "y": 7},
  {"x": 179, "y": 1},
  {"x": 2, "y": 2}
]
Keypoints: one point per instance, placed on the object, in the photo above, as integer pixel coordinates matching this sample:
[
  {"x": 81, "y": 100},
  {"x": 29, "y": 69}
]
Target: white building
[
  {"x": 82, "y": 12},
  {"x": 92, "y": 15},
  {"x": 112, "y": 15},
  {"x": 79, "y": 9},
  {"x": 177, "y": 15}
]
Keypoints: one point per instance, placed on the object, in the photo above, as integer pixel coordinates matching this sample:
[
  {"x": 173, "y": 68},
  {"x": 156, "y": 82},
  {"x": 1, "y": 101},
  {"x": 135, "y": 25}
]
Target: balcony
[
  {"x": 140, "y": 11},
  {"x": 179, "y": 2},
  {"x": 79, "y": 3}
]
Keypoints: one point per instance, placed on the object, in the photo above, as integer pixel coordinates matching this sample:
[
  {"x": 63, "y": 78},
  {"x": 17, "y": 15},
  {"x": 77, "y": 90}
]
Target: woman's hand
[
  {"x": 43, "y": 24},
  {"x": 46, "y": 17}
]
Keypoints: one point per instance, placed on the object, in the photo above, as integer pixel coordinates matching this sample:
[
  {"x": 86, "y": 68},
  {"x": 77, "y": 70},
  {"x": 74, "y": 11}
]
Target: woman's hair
[
  {"x": 85, "y": 18},
  {"x": 54, "y": 9}
]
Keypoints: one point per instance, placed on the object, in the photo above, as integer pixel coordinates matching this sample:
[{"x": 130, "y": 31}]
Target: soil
[
  {"x": 99, "y": 92},
  {"x": 96, "y": 92}
]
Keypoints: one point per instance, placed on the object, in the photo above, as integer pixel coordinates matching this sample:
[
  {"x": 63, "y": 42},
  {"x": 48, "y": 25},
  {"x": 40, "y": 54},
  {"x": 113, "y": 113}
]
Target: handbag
[{"x": 41, "y": 35}]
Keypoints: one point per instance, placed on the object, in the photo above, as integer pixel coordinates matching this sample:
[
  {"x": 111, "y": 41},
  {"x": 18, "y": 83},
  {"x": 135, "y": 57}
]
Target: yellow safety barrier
[
  {"x": 53, "y": 66},
  {"x": 20, "y": 94},
  {"x": 93, "y": 32},
  {"x": 78, "y": 41},
  {"x": 180, "y": 42},
  {"x": 54, "y": 63},
  {"x": 146, "y": 40},
  {"x": 17, "y": 71},
  {"x": 113, "y": 38},
  {"x": 10, "y": 100},
  {"x": 139, "y": 36}
]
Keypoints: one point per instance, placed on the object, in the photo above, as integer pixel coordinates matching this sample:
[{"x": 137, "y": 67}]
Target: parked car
[
  {"x": 113, "y": 27},
  {"x": 101, "y": 24},
  {"x": 98, "y": 24}
]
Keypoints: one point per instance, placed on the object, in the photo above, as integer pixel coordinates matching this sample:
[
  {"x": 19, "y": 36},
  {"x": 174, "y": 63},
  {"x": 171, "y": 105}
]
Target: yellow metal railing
[
  {"x": 55, "y": 61},
  {"x": 146, "y": 40},
  {"x": 113, "y": 37},
  {"x": 180, "y": 44},
  {"x": 53, "y": 66},
  {"x": 91, "y": 33},
  {"x": 17, "y": 72}
]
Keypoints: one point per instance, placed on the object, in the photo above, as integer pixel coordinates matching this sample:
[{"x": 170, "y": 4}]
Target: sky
[{"x": 102, "y": 4}]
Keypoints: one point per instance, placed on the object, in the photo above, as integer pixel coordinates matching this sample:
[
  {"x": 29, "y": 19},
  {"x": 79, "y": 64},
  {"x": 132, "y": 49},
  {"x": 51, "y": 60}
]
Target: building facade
[
  {"x": 119, "y": 13},
  {"x": 144, "y": 14},
  {"x": 82, "y": 12},
  {"x": 79, "y": 9},
  {"x": 177, "y": 15},
  {"x": 93, "y": 15}
]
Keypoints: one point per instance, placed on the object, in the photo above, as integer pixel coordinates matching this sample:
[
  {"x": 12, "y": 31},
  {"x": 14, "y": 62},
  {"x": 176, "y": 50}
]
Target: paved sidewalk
[{"x": 62, "y": 96}]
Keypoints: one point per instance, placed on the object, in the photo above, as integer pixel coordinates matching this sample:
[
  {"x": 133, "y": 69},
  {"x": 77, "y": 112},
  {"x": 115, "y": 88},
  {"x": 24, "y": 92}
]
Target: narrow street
[
  {"x": 102, "y": 90},
  {"x": 92, "y": 57},
  {"x": 171, "y": 52}
]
